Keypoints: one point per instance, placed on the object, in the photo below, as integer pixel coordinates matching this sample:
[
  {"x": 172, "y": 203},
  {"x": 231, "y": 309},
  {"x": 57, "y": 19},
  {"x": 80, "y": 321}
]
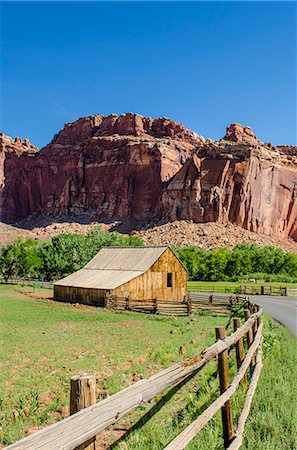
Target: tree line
[
  {"x": 58, "y": 257},
  {"x": 66, "y": 253},
  {"x": 245, "y": 261}
]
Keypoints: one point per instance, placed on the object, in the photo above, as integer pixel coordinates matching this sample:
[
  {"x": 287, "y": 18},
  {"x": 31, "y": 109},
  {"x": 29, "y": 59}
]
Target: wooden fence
[
  {"x": 81, "y": 428},
  {"x": 194, "y": 302},
  {"x": 263, "y": 290},
  {"x": 292, "y": 292},
  {"x": 28, "y": 282}
]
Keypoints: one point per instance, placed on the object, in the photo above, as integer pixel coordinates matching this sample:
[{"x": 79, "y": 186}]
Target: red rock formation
[
  {"x": 132, "y": 167},
  {"x": 237, "y": 133}
]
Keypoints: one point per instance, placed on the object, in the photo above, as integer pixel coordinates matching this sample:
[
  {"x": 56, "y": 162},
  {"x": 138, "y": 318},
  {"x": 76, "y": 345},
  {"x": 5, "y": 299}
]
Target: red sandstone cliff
[{"x": 134, "y": 167}]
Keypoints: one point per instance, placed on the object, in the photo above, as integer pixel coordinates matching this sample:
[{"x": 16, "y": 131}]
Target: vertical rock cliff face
[
  {"x": 131, "y": 167},
  {"x": 112, "y": 166},
  {"x": 253, "y": 194},
  {"x": 14, "y": 156}
]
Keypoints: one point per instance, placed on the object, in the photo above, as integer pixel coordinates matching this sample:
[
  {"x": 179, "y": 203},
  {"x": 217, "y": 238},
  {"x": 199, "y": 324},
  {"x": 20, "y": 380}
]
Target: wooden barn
[{"x": 137, "y": 273}]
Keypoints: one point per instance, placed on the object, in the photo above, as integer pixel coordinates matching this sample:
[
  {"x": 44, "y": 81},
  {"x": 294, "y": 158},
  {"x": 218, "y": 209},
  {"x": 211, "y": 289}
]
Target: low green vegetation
[
  {"x": 45, "y": 343},
  {"x": 66, "y": 253}
]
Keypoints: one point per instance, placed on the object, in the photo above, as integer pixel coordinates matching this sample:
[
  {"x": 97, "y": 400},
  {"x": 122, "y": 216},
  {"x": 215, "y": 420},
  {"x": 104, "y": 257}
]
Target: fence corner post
[
  {"x": 223, "y": 366},
  {"x": 82, "y": 395}
]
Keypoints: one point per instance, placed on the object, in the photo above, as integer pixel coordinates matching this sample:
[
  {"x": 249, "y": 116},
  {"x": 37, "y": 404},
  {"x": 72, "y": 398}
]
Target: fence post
[
  {"x": 155, "y": 306},
  {"x": 127, "y": 303},
  {"x": 259, "y": 318},
  {"x": 239, "y": 347},
  {"x": 255, "y": 327},
  {"x": 189, "y": 305},
  {"x": 211, "y": 298},
  {"x": 82, "y": 395},
  {"x": 223, "y": 365},
  {"x": 250, "y": 337}
]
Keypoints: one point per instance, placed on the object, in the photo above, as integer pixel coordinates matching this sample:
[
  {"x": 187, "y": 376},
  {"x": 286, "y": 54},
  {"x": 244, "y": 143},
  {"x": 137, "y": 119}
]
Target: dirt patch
[{"x": 46, "y": 295}]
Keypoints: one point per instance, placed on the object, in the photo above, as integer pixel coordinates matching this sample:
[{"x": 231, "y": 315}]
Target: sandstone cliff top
[
  {"x": 124, "y": 125},
  {"x": 239, "y": 142},
  {"x": 16, "y": 145}
]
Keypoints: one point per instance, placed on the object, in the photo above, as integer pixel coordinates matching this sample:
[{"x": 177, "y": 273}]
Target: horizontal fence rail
[
  {"x": 185, "y": 437},
  {"x": 84, "y": 425},
  {"x": 193, "y": 302},
  {"x": 292, "y": 292},
  {"x": 245, "y": 289},
  {"x": 263, "y": 290}
]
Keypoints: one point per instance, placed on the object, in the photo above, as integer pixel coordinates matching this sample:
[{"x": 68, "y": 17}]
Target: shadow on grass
[{"x": 156, "y": 408}]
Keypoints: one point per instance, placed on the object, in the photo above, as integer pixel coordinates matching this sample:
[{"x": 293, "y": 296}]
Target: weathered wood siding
[
  {"x": 80, "y": 295},
  {"x": 153, "y": 283}
]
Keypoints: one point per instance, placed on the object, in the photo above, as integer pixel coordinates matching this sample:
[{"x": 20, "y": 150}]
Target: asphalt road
[{"x": 283, "y": 309}]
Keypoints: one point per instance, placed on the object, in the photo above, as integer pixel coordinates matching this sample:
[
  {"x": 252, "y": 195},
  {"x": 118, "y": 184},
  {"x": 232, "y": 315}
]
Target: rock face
[{"x": 138, "y": 169}]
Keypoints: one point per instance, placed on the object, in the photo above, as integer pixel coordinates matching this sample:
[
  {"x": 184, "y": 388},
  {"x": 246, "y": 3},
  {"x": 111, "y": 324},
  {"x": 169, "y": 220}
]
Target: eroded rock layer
[{"x": 136, "y": 168}]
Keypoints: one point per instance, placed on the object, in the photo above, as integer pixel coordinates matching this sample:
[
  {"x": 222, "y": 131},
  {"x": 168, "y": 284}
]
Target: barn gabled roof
[
  {"x": 126, "y": 258},
  {"x": 113, "y": 266}
]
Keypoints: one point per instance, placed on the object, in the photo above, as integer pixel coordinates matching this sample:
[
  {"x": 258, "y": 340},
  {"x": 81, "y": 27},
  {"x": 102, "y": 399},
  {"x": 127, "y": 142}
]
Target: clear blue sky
[{"x": 205, "y": 64}]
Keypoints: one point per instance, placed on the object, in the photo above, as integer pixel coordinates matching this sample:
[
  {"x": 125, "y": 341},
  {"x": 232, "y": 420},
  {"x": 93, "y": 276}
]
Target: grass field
[
  {"x": 45, "y": 343},
  {"x": 222, "y": 286}
]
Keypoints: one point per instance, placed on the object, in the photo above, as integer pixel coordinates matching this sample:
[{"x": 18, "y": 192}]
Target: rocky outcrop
[
  {"x": 237, "y": 133},
  {"x": 14, "y": 155},
  {"x": 134, "y": 168}
]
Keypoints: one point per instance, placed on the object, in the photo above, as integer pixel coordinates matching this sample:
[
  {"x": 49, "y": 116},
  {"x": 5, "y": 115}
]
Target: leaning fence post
[
  {"x": 249, "y": 337},
  {"x": 223, "y": 365},
  {"x": 239, "y": 347},
  {"x": 82, "y": 395}
]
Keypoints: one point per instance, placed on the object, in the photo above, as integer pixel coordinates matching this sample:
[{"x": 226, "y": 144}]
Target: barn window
[{"x": 169, "y": 279}]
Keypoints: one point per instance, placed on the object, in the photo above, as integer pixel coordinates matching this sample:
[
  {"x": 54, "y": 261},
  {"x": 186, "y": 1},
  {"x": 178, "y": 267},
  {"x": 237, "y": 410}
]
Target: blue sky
[{"x": 205, "y": 64}]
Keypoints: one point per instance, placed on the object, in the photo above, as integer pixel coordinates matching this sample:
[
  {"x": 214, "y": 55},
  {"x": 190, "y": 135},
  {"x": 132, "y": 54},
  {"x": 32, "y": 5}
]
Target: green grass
[
  {"x": 45, "y": 343},
  {"x": 272, "y": 421},
  {"x": 221, "y": 286}
]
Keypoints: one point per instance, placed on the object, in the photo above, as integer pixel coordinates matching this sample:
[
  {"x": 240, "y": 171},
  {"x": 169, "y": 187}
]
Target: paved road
[{"x": 283, "y": 309}]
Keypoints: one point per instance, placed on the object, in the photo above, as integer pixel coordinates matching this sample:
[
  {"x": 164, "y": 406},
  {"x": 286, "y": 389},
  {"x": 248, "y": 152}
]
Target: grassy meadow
[{"x": 44, "y": 343}]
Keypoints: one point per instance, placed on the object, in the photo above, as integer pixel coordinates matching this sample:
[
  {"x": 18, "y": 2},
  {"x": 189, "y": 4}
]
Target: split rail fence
[
  {"x": 263, "y": 290},
  {"x": 194, "y": 302},
  {"x": 80, "y": 429}
]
